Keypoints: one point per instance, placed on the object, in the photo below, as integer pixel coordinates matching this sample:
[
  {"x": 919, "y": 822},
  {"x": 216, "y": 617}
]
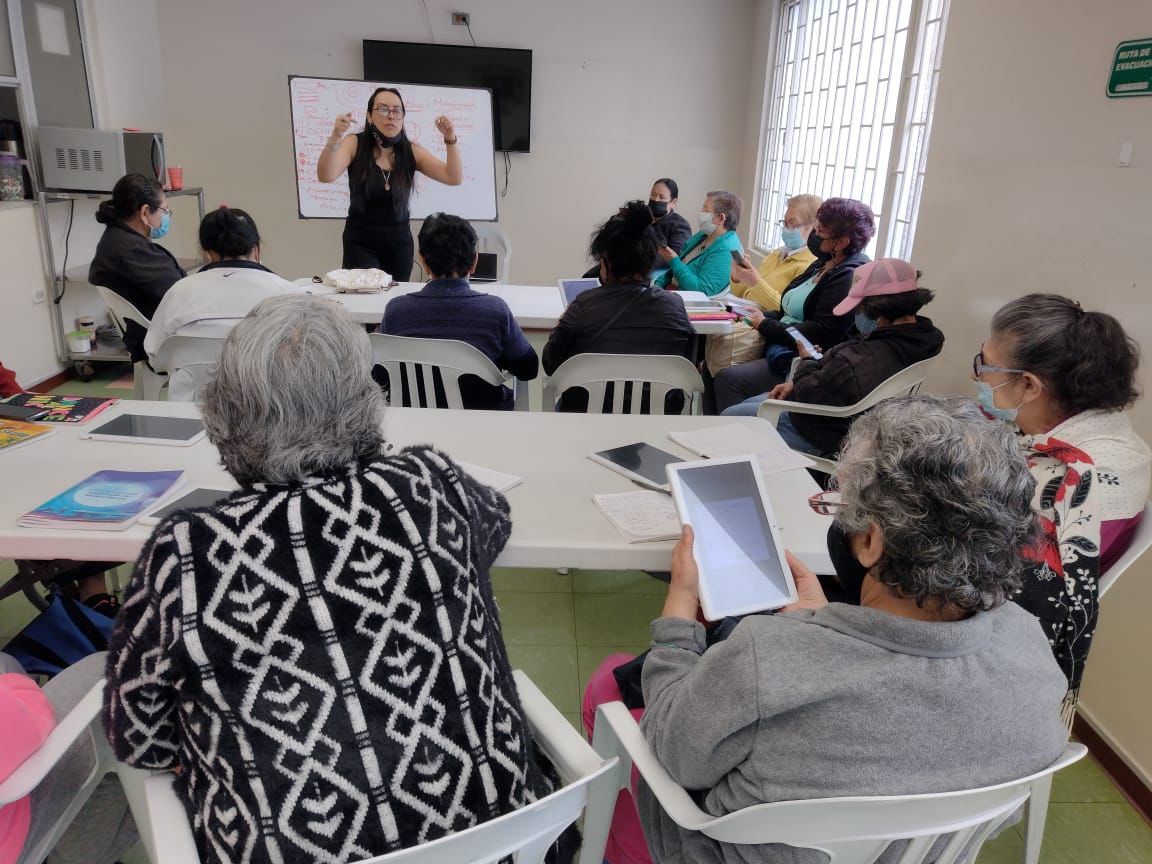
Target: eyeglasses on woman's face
[
  {"x": 388, "y": 111},
  {"x": 826, "y": 503},
  {"x": 980, "y": 368}
]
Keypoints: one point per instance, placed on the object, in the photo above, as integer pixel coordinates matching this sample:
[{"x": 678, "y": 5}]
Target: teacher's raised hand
[
  {"x": 342, "y": 124},
  {"x": 444, "y": 127}
]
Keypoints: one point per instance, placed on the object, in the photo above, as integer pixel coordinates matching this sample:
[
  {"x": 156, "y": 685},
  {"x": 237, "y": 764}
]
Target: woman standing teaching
[{"x": 382, "y": 163}]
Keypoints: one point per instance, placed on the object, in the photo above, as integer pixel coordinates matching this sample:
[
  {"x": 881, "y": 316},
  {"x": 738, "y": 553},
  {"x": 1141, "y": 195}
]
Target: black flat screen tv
[{"x": 507, "y": 72}]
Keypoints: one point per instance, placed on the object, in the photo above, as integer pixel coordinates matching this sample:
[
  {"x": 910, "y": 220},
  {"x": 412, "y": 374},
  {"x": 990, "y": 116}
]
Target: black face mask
[
  {"x": 382, "y": 139},
  {"x": 659, "y": 208},
  {"x": 814, "y": 243},
  {"x": 849, "y": 571}
]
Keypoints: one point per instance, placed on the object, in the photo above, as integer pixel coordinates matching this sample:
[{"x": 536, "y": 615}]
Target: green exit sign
[{"x": 1131, "y": 70}]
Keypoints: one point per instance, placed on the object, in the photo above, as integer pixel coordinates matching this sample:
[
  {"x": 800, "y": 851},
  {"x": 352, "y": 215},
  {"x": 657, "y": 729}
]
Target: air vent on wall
[
  {"x": 98, "y": 159},
  {"x": 60, "y": 164},
  {"x": 86, "y": 159},
  {"x": 73, "y": 159}
]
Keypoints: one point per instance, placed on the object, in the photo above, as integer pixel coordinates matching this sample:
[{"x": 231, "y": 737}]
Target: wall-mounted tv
[{"x": 507, "y": 72}]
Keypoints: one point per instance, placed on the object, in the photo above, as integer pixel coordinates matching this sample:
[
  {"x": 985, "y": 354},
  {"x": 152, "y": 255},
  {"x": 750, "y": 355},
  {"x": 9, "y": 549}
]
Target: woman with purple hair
[{"x": 844, "y": 227}]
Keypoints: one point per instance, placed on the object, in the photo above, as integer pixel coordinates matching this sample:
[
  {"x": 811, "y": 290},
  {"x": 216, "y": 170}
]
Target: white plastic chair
[
  {"x": 83, "y": 721},
  {"x": 1042, "y": 788},
  {"x": 187, "y": 360},
  {"x": 1141, "y": 540},
  {"x": 850, "y": 830},
  {"x": 525, "y": 834},
  {"x": 409, "y": 360},
  {"x": 490, "y": 237},
  {"x": 904, "y": 383},
  {"x": 594, "y": 372},
  {"x": 146, "y": 383}
]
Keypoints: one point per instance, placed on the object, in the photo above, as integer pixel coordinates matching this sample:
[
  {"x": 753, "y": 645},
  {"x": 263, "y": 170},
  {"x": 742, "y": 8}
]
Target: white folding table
[
  {"x": 554, "y": 520},
  {"x": 535, "y": 307}
]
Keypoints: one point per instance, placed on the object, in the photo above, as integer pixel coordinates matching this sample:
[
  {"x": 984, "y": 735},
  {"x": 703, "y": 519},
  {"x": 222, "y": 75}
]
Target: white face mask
[{"x": 706, "y": 223}]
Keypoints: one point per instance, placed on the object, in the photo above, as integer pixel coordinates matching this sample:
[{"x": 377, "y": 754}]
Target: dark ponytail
[
  {"x": 628, "y": 243},
  {"x": 1085, "y": 358},
  {"x": 131, "y": 192},
  {"x": 229, "y": 232},
  {"x": 403, "y": 176}
]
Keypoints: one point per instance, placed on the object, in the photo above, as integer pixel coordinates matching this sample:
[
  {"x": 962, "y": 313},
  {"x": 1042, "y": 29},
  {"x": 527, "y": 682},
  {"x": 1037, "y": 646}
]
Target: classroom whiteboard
[{"x": 316, "y": 102}]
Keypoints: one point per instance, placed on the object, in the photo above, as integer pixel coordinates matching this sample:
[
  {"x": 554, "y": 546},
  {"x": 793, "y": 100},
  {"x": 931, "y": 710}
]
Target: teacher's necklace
[{"x": 387, "y": 179}]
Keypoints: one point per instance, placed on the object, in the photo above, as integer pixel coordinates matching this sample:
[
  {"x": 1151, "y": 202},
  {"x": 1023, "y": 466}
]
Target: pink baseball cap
[{"x": 884, "y": 276}]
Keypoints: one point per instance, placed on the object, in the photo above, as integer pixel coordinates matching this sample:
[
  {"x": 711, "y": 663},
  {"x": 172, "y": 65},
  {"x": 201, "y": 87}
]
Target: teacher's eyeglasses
[{"x": 385, "y": 111}]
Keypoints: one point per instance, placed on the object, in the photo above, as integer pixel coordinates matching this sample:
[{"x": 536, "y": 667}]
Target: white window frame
[{"x": 903, "y": 166}]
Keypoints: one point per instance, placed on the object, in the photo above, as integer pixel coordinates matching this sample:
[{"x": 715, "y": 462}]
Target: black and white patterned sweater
[{"x": 324, "y": 661}]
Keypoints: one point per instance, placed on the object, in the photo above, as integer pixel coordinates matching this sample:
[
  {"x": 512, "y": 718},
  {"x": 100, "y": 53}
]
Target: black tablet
[
  {"x": 641, "y": 463},
  {"x": 146, "y": 429}
]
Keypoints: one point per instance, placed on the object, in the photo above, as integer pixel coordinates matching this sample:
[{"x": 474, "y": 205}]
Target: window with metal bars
[{"x": 850, "y": 111}]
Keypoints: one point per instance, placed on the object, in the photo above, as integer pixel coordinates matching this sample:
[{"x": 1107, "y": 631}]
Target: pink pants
[{"x": 626, "y": 843}]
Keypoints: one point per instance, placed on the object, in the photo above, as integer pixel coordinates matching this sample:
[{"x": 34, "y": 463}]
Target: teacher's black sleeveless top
[{"x": 372, "y": 204}]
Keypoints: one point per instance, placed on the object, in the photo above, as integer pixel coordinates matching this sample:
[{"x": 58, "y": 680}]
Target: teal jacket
[{"x": 710, "y": 272}]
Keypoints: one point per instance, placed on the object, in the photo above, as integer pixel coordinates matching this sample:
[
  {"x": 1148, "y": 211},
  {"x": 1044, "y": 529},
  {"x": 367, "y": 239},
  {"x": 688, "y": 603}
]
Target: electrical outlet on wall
[
  {"x": 38, "y": 296},
  {"x": 462, "y": 19}
]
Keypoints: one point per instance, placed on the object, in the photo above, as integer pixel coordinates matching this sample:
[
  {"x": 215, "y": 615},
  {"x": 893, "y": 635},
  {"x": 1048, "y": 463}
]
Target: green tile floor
[{"x": 559, "y": 626}]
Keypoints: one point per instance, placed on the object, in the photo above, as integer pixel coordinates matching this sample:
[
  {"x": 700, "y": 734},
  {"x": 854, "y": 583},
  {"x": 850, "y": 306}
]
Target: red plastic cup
[{"x": 176, "y": 178}]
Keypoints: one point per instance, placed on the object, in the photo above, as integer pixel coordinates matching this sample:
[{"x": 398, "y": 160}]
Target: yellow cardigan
[{"x": 775, "y": 272}]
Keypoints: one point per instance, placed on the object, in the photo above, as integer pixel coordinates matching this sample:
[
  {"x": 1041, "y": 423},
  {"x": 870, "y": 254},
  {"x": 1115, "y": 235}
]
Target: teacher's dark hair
[
  {"x": 403, "y": 159},
  {"x": 447, "y": 245},
  {"x": 229, "y": 232},
  {"x": 628, "y": 243},
  {"x": 131, "y": 192}
]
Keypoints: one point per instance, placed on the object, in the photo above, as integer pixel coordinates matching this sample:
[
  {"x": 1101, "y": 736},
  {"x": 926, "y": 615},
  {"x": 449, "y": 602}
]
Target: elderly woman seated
[
  {"x": 319, "y": 655},
  {"x": 705, "y": 263},
  {"x": 935, "y": 682},
  {"x": 1063, "y": 377}
]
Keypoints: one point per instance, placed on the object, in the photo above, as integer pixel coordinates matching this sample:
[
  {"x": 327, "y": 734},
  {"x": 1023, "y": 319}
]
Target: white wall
[
  {"x": 26, "y": 340},
  {"x": 125, "y": 61},
  {"x": 622, "y": 93},
  {"x": 1023, "y": 194}
]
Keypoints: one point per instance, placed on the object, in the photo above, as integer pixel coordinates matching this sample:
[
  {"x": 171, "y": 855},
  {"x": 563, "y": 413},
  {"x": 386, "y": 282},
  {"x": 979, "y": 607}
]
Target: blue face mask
[
  {"x": 864, "y": 324},
  {"x": 986, "y": 396},
  {"x": 793, "y": 238},
  {"x": 158, "y": 232}
]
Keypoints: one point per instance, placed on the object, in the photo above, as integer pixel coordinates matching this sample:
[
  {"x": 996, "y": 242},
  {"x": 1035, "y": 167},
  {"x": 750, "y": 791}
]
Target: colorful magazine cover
[
  {"x": 106, "y": 498},
  {"x": 13, "y": 433},
  {"x": 63, "y": 409}
]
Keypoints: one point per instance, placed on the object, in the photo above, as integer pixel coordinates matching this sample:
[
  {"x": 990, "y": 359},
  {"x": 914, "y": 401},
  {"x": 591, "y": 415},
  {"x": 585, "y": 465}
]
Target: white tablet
[
  {"x": 641, "y": 463},
  {"x": 737, "y": 547},
  {"x": 570, "y": 289},
  {"x": 199, "y": 497},
  {"x": 145, "y": 429}
]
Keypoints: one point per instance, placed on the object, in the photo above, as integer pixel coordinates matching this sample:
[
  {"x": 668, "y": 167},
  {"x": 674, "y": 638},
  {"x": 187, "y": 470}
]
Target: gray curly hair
[
  {"x": 952, "y": 494},
  {"x": 293, "y": 395}
]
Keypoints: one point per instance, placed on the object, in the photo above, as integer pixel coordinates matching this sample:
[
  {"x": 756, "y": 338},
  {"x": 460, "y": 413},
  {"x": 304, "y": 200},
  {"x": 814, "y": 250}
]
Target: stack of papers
[
  {"x": 498, "y": 480},
  {"x": 737, "y": 439},
  {"x": 106, "y": 501},
  {"x": 641, "y": 517}
]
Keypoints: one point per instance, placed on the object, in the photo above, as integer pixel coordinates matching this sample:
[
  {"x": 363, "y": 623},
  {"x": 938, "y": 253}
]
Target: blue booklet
[{"x": 106, "y": 501}]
